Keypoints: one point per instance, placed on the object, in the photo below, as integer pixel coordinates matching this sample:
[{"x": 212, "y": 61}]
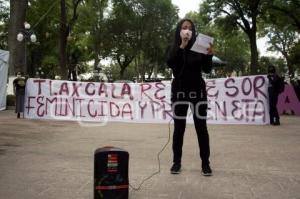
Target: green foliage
[
  {"x": 284, "y": 12},
  {"x": 10, "y": 100},
  {"x": 4, "y": 17},
  {"x": 234, "y": 49},
  {"x": 202, "y": 19},
  {"x": 136, "y": 33},
  {"x": 122, "y": 27},
  {"x": 281, "y": 29},
  {"x": 230, "y": 44},
  {"x": 49, "y": 66},
  {"x": 44, "y": 53},
  {"x": 157, "y": 23},
  {"x": 123, "y": 30},
  {"x": 265, "y": 62},
  {"x": 244, "y": 14},
  {"x": 112, "y": 73},
  {"x": 140, "y": 31},
  {"x": 92, "y": 29},
  {"x": 295, "y": 56}
]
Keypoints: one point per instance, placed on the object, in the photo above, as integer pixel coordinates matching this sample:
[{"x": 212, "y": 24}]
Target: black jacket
[
  {"x": 19, "y": 86},
  {"x": 274, "y": 84},
  {"x": 187, "y": 67}
]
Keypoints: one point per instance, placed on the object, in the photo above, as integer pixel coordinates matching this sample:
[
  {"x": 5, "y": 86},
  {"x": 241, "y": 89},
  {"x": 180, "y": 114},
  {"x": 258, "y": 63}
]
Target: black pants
[
  {"x": 180, "y": 109},
  {"x": 273, "y": 99}
]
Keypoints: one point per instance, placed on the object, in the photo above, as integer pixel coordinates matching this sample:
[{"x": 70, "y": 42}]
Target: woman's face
[{"x": 186, "y": 26}]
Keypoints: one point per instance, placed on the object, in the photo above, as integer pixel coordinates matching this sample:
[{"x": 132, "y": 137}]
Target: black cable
[{"x": 158, "y": 159}]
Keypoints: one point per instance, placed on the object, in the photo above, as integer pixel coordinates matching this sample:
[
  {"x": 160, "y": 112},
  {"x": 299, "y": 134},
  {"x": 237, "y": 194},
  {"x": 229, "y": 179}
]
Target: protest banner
[
  {"x": 240, "y": 100},
  {"x": 288, "y": 102}
]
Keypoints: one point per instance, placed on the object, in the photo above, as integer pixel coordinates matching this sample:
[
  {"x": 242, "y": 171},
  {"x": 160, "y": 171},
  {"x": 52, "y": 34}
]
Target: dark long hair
[
  {"x": 177, "y": 38},
  {"x": 271, "y": 69}
]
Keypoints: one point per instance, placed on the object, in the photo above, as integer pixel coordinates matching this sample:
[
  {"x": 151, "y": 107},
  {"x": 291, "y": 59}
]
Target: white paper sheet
[{"x": 202, "y": 43}]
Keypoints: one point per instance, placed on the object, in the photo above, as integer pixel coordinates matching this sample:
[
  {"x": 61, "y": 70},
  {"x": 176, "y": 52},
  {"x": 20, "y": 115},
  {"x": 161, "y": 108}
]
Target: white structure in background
[{"x": 4, "y": 55}]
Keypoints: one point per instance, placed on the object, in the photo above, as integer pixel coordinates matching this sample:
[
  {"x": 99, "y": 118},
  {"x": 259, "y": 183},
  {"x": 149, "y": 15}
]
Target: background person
[
  {"x": 273, "y": 90},
  {"x": 19, "y": 90}
]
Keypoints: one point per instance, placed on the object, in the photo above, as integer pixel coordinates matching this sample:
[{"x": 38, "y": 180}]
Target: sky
[{"x": 186, "y": 6}]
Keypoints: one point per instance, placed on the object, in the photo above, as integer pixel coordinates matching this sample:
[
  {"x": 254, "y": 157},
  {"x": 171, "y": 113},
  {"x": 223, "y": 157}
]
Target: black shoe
[
  {"x": 277, "y": 123},
  {"x": 18, "y": 116},
  {"x": 176, "y": 168},
  {"x": 206, "y": 170}
]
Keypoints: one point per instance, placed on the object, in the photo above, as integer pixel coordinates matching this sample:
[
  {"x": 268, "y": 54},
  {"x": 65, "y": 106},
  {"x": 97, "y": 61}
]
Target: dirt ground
[{"x": 54, "y": 160}]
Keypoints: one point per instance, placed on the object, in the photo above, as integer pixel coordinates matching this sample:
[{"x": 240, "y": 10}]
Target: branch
[
  {"x": 241, "y": 14},
  {"x": 297, "y": 3},
  {"x": 238, "y": 23},
  {"x": 255, "y": 10},
  {"x": 128, "y": 59},
  {"x": 119, "y": 60},
  {"x": 74, "y": 17},
  {"x": 256, "y": 5},
  {"x": 126, "y": 62},
  {"x": 286, "y": 40},
  {"x": 278, "y": 48},
  {"x": 226, "y": 12},
  {"x": 288, "y": 13},
  {"x": 241, "y": 25}
]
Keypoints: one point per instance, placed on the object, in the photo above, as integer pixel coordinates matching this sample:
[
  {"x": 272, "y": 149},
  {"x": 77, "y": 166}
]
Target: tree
[
  {"x": 65, "y": 30},
  {"x": 233, "y": 49},
  {"x": 43, "y": 54},
  {"x": 283, "y": 41},
  {"x": 202, "y": 19},
  {"x": 265, "y": 62},
  {"x": 4, "y": 18},
  {"x": 243, "y": 14},
  {"x": 289, "y": 10},
  {"x": 156, "y": 23},
  {"x": 280, "y": 30},
  {"x": 295, "y": 56},
  {"x": 122, "y": 27},
  {"x": 16, "y": 48},
  {"x": 94, "y": 23},
  {"x": 140, "y": 31},
  {"x": 230, "y": 44}
]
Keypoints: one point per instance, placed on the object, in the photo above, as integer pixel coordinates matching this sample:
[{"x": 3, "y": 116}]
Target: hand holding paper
[{"x": 203, "y": 44}]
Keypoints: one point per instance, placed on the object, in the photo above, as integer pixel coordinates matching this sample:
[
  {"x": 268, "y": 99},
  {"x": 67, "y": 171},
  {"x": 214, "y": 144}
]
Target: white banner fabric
[
  {"x": 3, "y": 77},
  {"x": 239, "y": 100}
]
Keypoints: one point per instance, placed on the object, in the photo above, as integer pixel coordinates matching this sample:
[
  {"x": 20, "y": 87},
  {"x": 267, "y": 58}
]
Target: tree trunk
[
  {"x": 291, "y": 69},
  {"x": 124, "y": 64},
  {"x": 16, "y": 48},
  {"x": 150, "y": 71},
  {"x": 122, "y": 71},
  {"x": 97, "y": 60},
  {"x": 254, "y": 52},
  {"x": 289, "y": 65},
  {"x": 137, "y": 68},
  {"x": 63, "y": 41},
  {"x": 143, "y": 73}
]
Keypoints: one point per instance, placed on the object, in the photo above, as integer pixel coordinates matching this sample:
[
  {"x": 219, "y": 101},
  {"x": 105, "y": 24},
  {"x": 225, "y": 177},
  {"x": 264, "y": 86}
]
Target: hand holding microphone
[{"x": 185, "y": 35}]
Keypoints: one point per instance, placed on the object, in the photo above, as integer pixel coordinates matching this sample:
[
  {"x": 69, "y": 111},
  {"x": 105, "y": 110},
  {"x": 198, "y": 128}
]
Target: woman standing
[
  {"x": 189, "y": 89},
  {"x": 19, "y": 90},
  {"x": 274, "y": 91}
]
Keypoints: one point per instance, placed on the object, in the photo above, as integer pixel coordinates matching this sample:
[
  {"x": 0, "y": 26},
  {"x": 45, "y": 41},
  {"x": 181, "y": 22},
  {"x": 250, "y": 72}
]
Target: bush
[{"x": 10, "y": 100}]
